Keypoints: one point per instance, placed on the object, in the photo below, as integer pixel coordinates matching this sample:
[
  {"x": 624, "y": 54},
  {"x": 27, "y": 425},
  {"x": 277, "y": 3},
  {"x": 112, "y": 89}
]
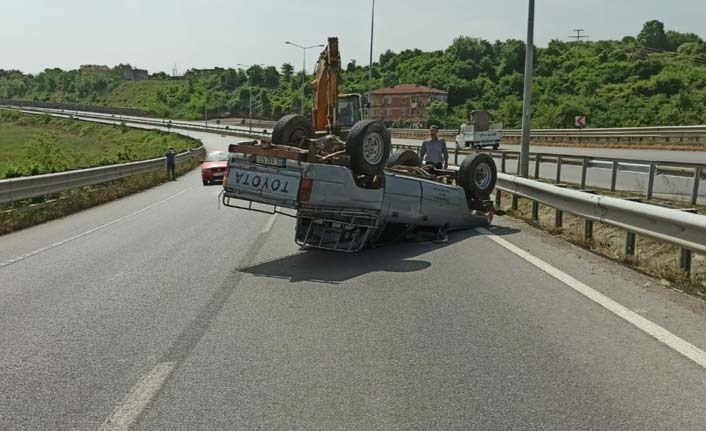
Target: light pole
[
  {"x": 370, "y": 64},
  {"x": 304, "y": 48},
  {"x": 249, "y": 90},
  {"x": 527, "y": 97}
]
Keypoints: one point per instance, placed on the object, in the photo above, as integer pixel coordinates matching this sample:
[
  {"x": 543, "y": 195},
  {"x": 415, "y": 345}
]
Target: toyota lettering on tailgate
[{"x": 262, "y": 182}]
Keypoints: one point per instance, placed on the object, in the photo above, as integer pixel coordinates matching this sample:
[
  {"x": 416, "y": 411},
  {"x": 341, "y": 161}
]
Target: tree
[
  {"x": 469, "y": 48},
  {"x": 653, "y": 36},
  {"x": 265, "y": 104},
  {"x": 287, "y": 71},
  {"x": 437, "y": 114}
]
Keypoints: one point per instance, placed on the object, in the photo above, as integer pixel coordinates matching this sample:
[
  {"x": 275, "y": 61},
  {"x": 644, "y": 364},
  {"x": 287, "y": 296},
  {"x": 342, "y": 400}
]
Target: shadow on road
[{"x": 336, "y": 267}]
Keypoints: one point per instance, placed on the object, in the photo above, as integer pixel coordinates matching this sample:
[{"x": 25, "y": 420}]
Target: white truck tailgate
[{"x": 263, "y": 184}]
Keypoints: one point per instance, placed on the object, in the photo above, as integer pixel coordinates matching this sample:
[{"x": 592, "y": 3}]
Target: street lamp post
[
  {"x": 370, "y": 64},
  {"x": 303, "y": 48},
  {"x": 249, "y": 91},
  {"x": 527, "y": 97}
]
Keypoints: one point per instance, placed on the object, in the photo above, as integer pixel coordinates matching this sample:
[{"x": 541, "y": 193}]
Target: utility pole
[
  {"x": 370, "y": 64},
  {"x": 527, "y": 97},
  {"x": 578, "y": 36}
]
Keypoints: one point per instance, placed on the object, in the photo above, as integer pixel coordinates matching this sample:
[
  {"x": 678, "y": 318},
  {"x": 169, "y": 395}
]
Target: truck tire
[
  {"x": 477, "y": 175},
  {"x": 369, "y": 145},
  {"x": 291, "y": 129},
  {"x": 404, "y": 158}
]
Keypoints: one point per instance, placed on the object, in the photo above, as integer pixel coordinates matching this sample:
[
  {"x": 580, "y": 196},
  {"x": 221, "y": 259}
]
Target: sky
[{"x": 157, "y": 34}]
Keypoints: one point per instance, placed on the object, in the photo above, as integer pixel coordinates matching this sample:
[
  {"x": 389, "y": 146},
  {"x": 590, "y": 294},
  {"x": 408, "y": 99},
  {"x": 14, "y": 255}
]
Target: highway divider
[{"x": 554, "y": 166}]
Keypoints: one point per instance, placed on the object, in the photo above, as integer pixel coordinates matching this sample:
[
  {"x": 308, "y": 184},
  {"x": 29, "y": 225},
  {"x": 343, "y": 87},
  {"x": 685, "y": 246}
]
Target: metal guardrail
[
  {"x": 682, "y": 228},
  {"x": 661, "y": 134},
  {"x": 224, "y": 130},
  {"x": 15, "y": 189},
  {"x": 693, "y": 171}
]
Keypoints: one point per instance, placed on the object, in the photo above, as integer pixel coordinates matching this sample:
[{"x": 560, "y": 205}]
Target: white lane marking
[
  {"x": 674, "y": 342},
  {"x": 90, "y": 231},
  {"x": 138, "y": 398},
  {"x": 270, "y": 223}
]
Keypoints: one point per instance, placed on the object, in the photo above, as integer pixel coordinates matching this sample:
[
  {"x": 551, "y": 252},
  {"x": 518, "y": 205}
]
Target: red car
[{"x": 214, "y": 167}]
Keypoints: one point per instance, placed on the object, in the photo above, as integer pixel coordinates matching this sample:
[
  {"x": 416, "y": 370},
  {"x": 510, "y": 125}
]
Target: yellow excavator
[{"x": 336, "y": 134}]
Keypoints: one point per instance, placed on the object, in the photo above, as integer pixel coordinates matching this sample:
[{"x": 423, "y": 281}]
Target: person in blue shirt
[
  {"x": 434, "y": 150},
  {"x": 171, "y": 164}
]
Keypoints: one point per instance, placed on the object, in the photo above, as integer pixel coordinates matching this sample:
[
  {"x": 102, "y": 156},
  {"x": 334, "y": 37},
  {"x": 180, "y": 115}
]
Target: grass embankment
[
  {"x": 32, "y": 144},
  {"x": 652, "y": 257},
  {"x": 146, "y": 94},
  {"x": 19, "y": 216}
]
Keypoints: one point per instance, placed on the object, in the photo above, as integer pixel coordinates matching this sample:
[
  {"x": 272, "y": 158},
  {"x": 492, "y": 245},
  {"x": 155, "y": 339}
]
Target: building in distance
[{"x": 406, "y": 103}]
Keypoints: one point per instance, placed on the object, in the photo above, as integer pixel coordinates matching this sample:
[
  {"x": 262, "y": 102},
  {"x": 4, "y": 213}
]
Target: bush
[
  {"x": 45, "y": 153},
  {"x": 13, "y": 171}
]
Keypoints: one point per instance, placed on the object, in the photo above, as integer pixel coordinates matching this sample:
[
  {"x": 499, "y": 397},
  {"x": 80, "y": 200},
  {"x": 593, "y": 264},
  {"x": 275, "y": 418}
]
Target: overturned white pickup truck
[{"x": 351, "y": 194}]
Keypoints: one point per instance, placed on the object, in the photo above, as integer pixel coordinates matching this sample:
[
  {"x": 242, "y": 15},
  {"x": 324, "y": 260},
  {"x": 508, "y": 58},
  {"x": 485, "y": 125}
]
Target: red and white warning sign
[{"x": 580, "y": 121}]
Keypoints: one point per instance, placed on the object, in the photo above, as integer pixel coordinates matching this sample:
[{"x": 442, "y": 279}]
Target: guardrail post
[
  {"x": 630, "y": 244},
  {"x": 685, "y": 253},
  {"x": 651, "y": 181},
  {"x": 498, "y": 198},
  {"x": 685, "y": 260},
  {"x": 588, "y": 230},
  {"x": 584, "y": 169},
  {"x": 558, "y": 218},
  {"x": 614, "y": 176},
  {"x": 558, "y": 169},
  {"x": 456, "y": 156},
  {"x": 535, "y": 210},
  {"x": 503, "y": 160},
  {"x": 695, "y": 190},
  {"x": 537, "y": 161},
  {"x": 514, "y": 201}
]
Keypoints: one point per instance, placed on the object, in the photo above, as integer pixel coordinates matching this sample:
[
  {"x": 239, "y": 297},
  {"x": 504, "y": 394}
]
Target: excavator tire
[
  {"x": 404, "y": 158},
  {"x": 291, "y": 129},
  {"x": 369, "y": 145},
  {"x": 477, "y": 176}
]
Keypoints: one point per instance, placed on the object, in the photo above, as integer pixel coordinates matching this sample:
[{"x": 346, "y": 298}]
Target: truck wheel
[
  {"x": 477, "y": 175},
  {"x": 404, "y": 158},
  {"x": 369, "y": 146},
  {"x": 291, "y": 129}
]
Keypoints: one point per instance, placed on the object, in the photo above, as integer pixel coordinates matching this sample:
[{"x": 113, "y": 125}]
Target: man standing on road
[
  {"x": 171, "y": 164},
  {"x": 435, "y": 150}
]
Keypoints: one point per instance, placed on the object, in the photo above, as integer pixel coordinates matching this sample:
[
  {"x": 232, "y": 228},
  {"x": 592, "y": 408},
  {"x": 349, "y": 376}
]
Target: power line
[{"x": 697, "y": 60}]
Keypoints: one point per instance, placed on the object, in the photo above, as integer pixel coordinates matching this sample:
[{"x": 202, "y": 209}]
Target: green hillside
[
  {"x": 657, "y": 77},
  {"x": 31, "y": 145}
]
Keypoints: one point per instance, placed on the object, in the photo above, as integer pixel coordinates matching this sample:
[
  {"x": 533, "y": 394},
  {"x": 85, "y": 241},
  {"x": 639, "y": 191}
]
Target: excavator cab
[{"x": 350, "y": 110}]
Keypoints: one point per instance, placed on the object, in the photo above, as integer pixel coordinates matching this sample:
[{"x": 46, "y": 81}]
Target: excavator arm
[{"x": 325, "y": 84}]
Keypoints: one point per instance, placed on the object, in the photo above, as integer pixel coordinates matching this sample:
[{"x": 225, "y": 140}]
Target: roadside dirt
[{"x": 651, "y": 257}]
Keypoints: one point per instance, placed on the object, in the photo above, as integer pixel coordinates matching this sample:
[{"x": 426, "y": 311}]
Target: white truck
[
  {"x": 480, "y": 132},
  {"x": 364, "y": 196}
]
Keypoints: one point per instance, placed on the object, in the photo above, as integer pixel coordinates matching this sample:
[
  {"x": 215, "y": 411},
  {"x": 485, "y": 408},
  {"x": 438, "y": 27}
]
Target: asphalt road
[{"x": 162, "y": 311}]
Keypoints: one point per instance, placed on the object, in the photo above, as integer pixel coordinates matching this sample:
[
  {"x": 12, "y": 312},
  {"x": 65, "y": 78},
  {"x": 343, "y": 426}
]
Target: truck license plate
[{"x": 271, "y": 161}]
